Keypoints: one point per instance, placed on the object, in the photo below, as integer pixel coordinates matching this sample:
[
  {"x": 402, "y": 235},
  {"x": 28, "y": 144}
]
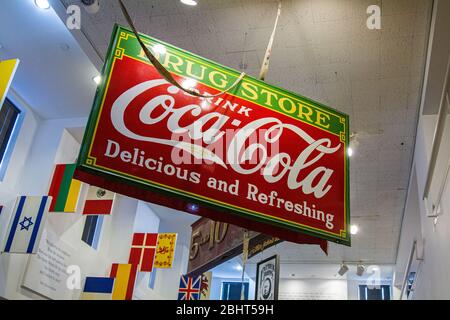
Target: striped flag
[
  {"x": 189, "y": 288},
  {"x": 98, "y": 201},
  {"x": 125, "y": 277},
  {"x": 165, "y": 250},
  {"x": 96, "y": 288},
  {"x": 143, "y": 250},
  {"x": 64, "y": 189},
  {"x": 26, "y": 225}
]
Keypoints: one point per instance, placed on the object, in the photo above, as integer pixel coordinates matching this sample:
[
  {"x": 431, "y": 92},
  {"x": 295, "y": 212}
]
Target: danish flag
[{"x": 143, "y": 250}]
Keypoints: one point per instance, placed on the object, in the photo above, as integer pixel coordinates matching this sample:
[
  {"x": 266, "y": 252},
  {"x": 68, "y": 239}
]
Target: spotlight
[
  {"x": 354, "y": 229},
  {"x": 42, "y": 4},
  {"x": 91, "y": 6},
  {"x": 360, "y": 270},
  {"x": 343, "y": 269},
  {"x": 189, "y": 2}
]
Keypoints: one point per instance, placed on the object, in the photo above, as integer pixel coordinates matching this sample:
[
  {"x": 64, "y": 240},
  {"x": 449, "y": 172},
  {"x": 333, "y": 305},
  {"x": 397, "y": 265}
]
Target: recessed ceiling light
[
  {"x": 189, "y": 84},
  {"x": 354, "y": 229},
  {"x": 42, "y": 4},
  {"x": 189, "y": 2},
  {"x": 97, "y": 79},
  {"x": 159, "y": 48},
  {"x": 350, "y": 152}
]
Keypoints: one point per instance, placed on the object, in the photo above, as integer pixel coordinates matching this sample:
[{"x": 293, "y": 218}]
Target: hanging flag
[
  {"x": 143, "y": 250},
  {"x": 97, "y": 288},
  {"x": 165, "y": 250},
  {"x": 189, "y": 288},
  {"x": 64, "y": 189},
  {"x": 125, "y": 277},
  {"x": 7, "y": 70},
  {"x": 98, "y": 201},
  {"x": 26, "y": 225},
  {"x": 205, "y": 286}
]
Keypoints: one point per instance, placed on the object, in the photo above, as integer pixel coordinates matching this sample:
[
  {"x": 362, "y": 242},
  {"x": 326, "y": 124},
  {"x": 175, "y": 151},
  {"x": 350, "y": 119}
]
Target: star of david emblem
[{"x": 26, "y": 223}]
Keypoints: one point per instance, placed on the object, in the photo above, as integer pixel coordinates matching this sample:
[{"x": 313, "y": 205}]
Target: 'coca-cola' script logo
[{"x": 241, "y": 147}]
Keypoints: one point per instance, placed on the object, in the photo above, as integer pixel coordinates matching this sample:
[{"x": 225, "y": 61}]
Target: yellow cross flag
[{"x": 7, "y": 70}]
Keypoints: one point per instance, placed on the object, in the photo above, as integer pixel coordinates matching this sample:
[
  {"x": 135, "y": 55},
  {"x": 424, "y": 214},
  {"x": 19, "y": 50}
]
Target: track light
[
  {"x": 343, "y": 269},
  {"x": 360, "y": 270},
  {"x": 91, "y": 6}
]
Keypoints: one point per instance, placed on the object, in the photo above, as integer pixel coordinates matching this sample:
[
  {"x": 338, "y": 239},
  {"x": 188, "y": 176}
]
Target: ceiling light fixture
[
  {"x": 42, "y": 4},
  {"x": 350, "y": 151},
  {"x": 189, "y": 2},
  {"x": 360, "y": 270},
  {"x": 354, "y": 229},
  {"x": 159, "y": 48},
  {"x": 97, "y": 79},
  {"x": 343, "y": 269}
]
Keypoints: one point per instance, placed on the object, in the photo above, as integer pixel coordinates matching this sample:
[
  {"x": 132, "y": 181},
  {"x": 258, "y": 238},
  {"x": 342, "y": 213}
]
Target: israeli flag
[{"x": 26, "y": 225}]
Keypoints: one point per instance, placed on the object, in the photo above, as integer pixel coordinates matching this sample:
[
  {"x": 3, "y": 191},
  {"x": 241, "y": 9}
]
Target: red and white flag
[
  {"x": 98, "y": 201},
  {"x": 143, "y": 250}
]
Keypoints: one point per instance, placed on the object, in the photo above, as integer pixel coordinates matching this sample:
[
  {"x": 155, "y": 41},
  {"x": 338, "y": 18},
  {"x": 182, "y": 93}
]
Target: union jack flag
[{"x": 189, "y": 288}]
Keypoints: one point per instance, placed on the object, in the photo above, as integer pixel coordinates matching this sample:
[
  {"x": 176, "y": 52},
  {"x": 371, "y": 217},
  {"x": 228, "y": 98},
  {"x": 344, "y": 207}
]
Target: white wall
[
  {"x": 40, "y": 145},
  {"x": 433, "y": 280},
  {"x": 312, "y": 289},
  {"x": 18, "y": 160}
]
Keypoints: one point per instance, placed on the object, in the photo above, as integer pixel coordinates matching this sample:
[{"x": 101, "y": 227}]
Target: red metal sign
[{"x": 259, "y": 157}]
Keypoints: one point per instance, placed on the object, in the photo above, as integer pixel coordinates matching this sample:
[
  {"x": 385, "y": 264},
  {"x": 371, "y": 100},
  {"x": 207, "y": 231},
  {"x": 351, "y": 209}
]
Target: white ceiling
[
  {"x": 54, "y": 82},
  {"x": 323, "y": 50}
]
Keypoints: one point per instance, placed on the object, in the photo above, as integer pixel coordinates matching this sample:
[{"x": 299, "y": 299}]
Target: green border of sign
[{"x": 87, "y": 164}]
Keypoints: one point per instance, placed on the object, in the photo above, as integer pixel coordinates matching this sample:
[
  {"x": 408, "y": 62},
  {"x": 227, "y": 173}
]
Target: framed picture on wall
[{"x": 267, "y": 278}]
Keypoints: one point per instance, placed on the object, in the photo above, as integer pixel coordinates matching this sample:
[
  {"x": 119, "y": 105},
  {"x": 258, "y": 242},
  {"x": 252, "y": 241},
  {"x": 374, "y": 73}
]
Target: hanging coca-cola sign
[{"x": 256, "y": 156}]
